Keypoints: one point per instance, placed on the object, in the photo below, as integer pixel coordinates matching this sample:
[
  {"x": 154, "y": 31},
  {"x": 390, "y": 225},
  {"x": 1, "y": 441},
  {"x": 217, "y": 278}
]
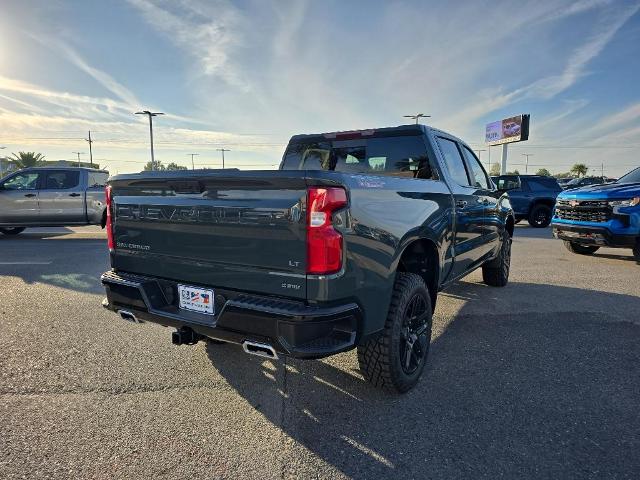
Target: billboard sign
[{"x": 508, "y": 130}]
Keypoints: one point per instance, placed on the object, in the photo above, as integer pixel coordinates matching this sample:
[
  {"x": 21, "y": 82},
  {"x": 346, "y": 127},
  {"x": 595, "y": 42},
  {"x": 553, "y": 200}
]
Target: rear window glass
[
  {"x": 62, "y": 180},
  {"x": 396, "y": 156}
]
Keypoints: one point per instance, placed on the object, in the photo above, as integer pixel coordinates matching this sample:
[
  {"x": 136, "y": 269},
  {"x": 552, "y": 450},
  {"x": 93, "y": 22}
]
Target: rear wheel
[
  {"x": 540, "y": 216},
  {"x": 580, "y": 249},
  {"x": 395, "y": 359},
  {"x": 496, "y": 272},
  {"x": 12, "y": 230}
]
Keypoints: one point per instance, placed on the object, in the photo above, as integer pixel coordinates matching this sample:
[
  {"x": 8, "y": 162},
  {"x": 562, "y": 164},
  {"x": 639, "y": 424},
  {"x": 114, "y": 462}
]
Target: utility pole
[
  {"x": 79, "y": 153},
  {"x": 193, "y": 167},
  {"x": 417, "y": 117},
  {"x": 526, "y": 165},
  {"x": 223, "y": 150},
  {"x": 151, "y": 115},
  {"x": 90, "y": 151},
  {"x": 602, "y": 166}
]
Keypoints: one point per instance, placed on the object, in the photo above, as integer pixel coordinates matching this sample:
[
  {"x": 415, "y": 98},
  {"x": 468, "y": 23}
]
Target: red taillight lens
[
  {"x": 109, "y": 224},
  {"x": 324, "y": 243}
]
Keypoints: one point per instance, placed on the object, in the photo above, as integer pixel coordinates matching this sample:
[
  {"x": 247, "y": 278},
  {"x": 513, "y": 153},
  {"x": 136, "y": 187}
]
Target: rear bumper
[
  {"x": 589, "y": 235},
  {"x": 291, "y": 328}
]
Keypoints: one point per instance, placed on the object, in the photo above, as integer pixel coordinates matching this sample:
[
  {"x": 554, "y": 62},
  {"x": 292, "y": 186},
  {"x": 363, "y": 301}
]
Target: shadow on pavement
[
  {"x": 504, "y": 394},
  {"x": 73, "y": 263}
]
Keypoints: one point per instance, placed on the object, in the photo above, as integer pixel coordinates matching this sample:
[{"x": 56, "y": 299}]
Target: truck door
[
  {"x": 62, "y": 197},
  {"x": 468, "y": 208},
  {"x": 492, "y": 226},
  {"x": 19, "y": 199}
]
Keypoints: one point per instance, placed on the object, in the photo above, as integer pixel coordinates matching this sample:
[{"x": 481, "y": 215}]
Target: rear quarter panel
[{"x": 386, "y": 214}]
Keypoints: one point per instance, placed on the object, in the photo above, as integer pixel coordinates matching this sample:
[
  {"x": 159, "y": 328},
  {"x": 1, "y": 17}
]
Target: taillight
[
  {"x": 109, "y": 223},
  {"x": 324, "y": 243}
]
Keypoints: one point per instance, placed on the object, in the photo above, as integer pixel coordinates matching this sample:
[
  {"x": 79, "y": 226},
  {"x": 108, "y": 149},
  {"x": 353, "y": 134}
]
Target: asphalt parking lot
[{"x": 540, "y": 379}]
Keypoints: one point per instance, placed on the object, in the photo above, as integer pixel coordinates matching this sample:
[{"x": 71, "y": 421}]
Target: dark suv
[{"x": 532, "y": 197}]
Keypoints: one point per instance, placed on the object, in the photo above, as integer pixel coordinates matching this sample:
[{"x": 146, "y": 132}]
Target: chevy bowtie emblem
[{"x": 574, "y": 203}]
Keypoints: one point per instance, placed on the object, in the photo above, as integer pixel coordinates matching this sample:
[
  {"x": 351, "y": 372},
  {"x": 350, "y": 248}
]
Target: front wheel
[
  {"x": 496, "y": 272},
  {"x": 540, "y": 216},
  {"x": 12, "y": 230},
  {"x": 580, "y": 249},
  {"x": 395, "y": 359}
]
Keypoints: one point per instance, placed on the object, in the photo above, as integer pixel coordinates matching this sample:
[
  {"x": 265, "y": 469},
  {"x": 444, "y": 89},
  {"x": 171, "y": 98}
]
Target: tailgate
[{"x": 238, "y": 230}]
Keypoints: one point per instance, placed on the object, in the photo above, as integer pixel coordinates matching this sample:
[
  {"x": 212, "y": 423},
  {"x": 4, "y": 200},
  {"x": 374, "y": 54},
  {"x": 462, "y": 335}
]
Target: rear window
[{"x": 395, "y": 156}]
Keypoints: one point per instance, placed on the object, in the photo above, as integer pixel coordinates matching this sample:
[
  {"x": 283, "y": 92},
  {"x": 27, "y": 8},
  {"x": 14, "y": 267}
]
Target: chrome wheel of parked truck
[{"x": 345, "y": 247}]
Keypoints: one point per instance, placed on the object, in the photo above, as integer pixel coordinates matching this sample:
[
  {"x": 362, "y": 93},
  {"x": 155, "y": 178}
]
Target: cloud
[{"x": 207, "y": 31}]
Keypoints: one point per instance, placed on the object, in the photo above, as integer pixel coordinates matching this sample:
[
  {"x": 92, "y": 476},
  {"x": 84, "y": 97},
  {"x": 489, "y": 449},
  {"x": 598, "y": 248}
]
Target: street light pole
[
  {"x": 223, "y": 150},
  {"x": 417, "y": 117},
  {"x": 151, "y": 115},
  {"x": 79, "y": 153},
  {"x": 526, "y": 165},
  {"x": 192, "y": 155}
]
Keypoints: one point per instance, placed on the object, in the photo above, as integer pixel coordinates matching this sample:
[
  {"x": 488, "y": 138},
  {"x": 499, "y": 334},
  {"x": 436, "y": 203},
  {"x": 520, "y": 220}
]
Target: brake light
[
  {"x": 109, "y": 223},
  {"x": 324, "y": 243}
]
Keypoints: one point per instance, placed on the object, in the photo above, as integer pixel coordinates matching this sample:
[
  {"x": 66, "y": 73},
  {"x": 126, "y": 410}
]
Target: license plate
[{"x": 196, "y": 299}]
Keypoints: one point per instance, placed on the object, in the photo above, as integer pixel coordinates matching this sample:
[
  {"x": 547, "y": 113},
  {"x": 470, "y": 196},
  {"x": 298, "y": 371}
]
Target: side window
[
  {"x": 453, "y": 161},
  {"x": 479, "y": 175},
  {"x": 508, "y": 183},
  {"x": 62, "y": 180},
  {"x": 97, "y": 179},
  {"x": 22, "y": 181}
]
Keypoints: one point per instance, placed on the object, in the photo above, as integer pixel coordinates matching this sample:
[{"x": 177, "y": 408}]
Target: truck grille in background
[{"x": 583, "y": 211}]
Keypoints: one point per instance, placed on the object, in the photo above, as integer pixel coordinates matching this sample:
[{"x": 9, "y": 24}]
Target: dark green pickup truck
[{"x": 346, "y": 246}]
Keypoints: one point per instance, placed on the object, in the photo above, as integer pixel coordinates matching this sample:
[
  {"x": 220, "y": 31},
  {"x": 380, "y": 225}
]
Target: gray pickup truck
[
  {"x": 52, "y": 197},
  {"x": 346, "y": 246}
]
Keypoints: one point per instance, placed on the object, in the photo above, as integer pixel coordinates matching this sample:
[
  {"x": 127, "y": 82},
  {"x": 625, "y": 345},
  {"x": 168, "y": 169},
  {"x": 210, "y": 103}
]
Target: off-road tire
[
  {"x": 12, "y": 230},
  {"x": 496, "y": 272},
  {"x": 580, "y": 249},
  {"x": 380, "y": 357},
  {"x": 540, "y": 216}
]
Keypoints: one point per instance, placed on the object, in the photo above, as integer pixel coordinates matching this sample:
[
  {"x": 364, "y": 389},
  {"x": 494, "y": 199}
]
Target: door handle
[
  {"x": 30, "y": 195},
  {"x": 461, "y": 203},
  {"x": 74, "y": 194}
]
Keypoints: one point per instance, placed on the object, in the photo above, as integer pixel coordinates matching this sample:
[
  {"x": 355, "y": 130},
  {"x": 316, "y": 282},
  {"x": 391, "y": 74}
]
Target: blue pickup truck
[{"x": 600, "y": 216}]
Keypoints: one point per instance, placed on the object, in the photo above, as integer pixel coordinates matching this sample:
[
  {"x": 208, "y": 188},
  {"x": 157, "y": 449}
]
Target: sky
[{"x": 247, "y": 75}]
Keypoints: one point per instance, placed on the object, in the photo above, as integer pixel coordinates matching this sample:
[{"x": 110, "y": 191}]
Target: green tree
[
  {"x": 544, "y": 172},
  {"x": 159, "y": 166},
  {"x": 27, "y": 159},
  {"x": 580, "y": 169},
  {"x": 564, "y": 175},
  {"x": 175, "y": 166},
  {"x": 495, "y": 169}
]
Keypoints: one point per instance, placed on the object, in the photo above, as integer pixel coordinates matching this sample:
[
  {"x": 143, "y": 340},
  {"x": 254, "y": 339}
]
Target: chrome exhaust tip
[
  {"x": 128, "y": 316},
  {"x": 259, "y": 349}
]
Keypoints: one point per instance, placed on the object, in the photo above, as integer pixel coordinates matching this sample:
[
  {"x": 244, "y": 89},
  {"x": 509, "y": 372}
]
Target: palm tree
[
  {"x": 579, "y": 169},
  {"x": 27, "y": 159}
]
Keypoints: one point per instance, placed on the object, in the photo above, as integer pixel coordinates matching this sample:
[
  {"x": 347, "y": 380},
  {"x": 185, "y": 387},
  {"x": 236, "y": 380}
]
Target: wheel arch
[{"x": 421, "y": 256}]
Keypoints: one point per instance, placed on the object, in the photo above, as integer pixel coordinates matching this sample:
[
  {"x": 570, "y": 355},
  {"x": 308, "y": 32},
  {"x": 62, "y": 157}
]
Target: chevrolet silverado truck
[
  {"x": 52, "y": 197},
  {"x": 345, "y": 246},
  {"x": 600, "y": 216}
]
